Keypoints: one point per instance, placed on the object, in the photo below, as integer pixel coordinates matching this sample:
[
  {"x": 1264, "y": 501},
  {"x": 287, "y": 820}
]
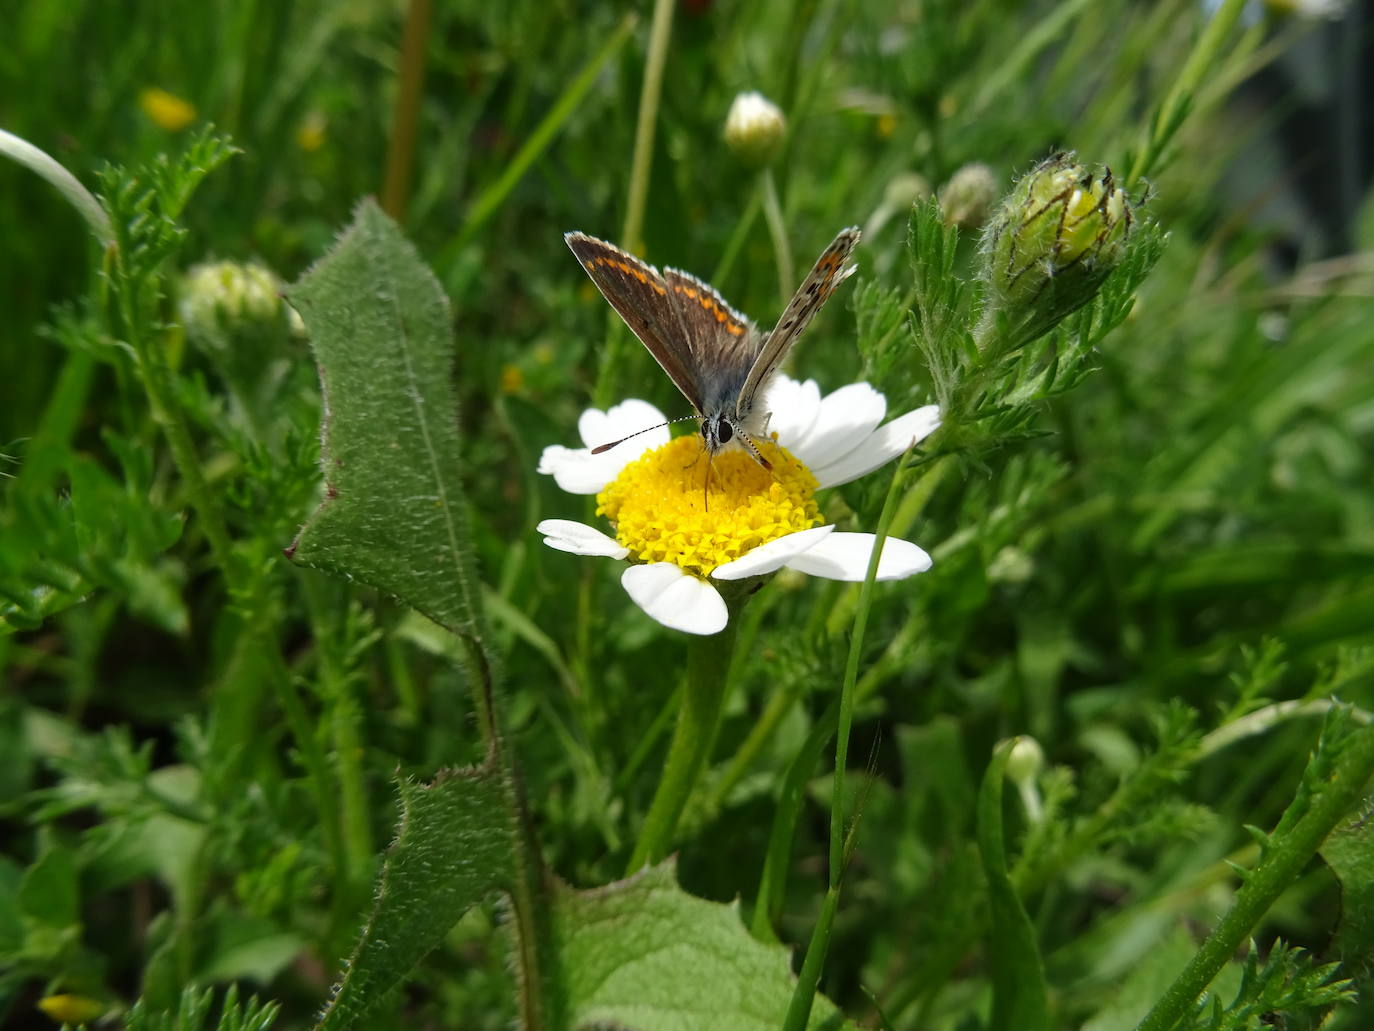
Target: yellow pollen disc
[{"x": 675, "y": 504}]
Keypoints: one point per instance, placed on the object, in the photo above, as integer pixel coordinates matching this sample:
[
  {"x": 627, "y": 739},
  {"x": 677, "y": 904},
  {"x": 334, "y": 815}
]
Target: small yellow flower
[
  {"x": 310, "y": 134},
  {"x": 71, "y": 1009},
  {"x": 167, "y": 110},
  {"x": 512, "y": 379}
]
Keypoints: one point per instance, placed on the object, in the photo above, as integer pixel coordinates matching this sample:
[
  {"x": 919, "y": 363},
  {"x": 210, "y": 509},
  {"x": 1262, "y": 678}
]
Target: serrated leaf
[
  {"x": 1019, "y": 995},
  {"x": 1349, "y": 851},
  {"x": 455, "y": 846},
  {"x": 393, "y": 515},
  {"x": 644, "y": 954}
]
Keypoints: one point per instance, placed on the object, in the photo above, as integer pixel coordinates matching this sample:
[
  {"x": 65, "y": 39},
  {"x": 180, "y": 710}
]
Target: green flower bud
[
  {"x": 1024, "y": 764},
  {"x": 754, "y": 129},
  {"x": 1053, "y": 241},
  {"x": 968, "y": 197},
  {"x": 1026, "y": 760}
]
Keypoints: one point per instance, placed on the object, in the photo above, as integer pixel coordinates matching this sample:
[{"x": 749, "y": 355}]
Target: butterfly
[{"x": 719, "y": 360}]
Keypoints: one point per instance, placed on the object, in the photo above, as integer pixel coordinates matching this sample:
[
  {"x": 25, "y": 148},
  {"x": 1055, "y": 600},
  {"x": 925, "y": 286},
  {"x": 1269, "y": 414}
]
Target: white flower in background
[
  {"x": 754, "y": 128},
  {"x": 684, "y": 533}
]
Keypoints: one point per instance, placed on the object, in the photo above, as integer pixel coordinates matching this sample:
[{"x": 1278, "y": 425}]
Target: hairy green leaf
[
  {"x": 454, "y": 848},
  {"x": 1349, "y": 851},
  {"x": 393, "y": 515},
  {"x": 642, "y": 953}
]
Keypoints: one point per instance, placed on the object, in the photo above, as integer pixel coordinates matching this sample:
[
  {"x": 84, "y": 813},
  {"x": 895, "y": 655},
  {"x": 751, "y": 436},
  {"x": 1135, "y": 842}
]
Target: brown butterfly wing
[
  {"x": 723, "y": 342},
  {"x": 648, "y": 305},
  {"x": 824, "y": 278}
]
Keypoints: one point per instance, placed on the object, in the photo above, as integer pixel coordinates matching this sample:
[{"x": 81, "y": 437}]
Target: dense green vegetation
[{"x": 1101, "y": 766}]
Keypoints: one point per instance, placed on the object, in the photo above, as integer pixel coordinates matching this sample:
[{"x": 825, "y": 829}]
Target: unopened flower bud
[
  {"x": 1026, "y": 760},
  {"x": 754, "y": 128},
  {"x": 1024, "y": 764},
  {"x": 1053, "y": 242},
  {"x": 221, "y": 297},
  {"x": 968, "y": 197}
]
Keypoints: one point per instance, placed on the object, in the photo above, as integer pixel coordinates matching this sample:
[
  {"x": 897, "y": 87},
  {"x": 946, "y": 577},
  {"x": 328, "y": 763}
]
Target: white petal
[
  {"x": 578, "y": 471},
  {"x": 579, "y": 539},
  {"x": 844, "y": 556},
  {"x": 597, "y": 427},
  {"x": 884, "y": 445},
  {"x": 676, "y": 599},
  {"x": 844, "y": 421},
  {"x": 767, "y": 558},
  {"x": 794, "y": 406}
]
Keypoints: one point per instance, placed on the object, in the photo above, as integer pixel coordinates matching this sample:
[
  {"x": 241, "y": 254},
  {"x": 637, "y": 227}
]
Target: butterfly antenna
[{"x": 602, "y": 448}]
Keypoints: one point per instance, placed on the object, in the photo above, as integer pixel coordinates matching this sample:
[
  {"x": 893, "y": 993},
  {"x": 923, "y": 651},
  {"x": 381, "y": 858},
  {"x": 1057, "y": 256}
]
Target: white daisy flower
[{"x": 683, "y": 536}]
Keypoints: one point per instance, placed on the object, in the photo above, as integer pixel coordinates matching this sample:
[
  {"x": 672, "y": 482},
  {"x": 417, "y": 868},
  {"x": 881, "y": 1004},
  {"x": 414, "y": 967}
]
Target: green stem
[
  {"x": 737, "y": 237},
  {"x": 913, "y": 503},
  {"x": 641, "y": 166},
  {"x": 708, "y": 672},
  {"x": 1206, "y": 56},
  {"x": 804, "y": 994},
  {"x": 157, "y": 381},
  {"x": 37, "y": 161},
  {"x": 341, "y": 716},
  {"x": 777, "y": 229},
  {"x": 491, "y": 198},
  {"x": 842, "y": 843},
  {"x": 851, "y": 674},
  {"x": 1277, "y": 870},
  {"x": 400, "y": 152},
  {"x": 660, "y": 32}
]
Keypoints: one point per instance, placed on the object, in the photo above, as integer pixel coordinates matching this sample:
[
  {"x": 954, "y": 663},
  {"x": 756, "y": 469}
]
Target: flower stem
[
  {"x": 777, "y": 229},
  {"x": 40, "y": 163},
  {"x": 708, "y": 675},
  {"x": 1277, "y": 870},
  {"x": 1206, "y": 56},
  {"x": 632, "y": 233},
  {"x": 851, "y": 674},
  {"x": 842, "y": 844},
  {"x": 660, "y": 31},
  {"x": 400, "y": 156}
]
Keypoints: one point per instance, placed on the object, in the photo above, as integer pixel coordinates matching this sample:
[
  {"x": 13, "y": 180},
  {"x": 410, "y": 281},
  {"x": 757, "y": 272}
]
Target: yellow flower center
[{"x": 675, "y": 505}]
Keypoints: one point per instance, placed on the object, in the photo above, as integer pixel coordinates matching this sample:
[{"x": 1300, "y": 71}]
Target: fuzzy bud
[
  {"x": 754, "y": 129},
  {"x": 220, "y": 297},
  {"x": 968, "y": 197},
  {"x": 1053, "y": 241}
]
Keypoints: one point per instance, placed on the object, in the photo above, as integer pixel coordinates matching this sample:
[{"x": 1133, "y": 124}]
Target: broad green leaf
[
  {"x": 643, "y": 954},
  {"x": 393, "y": 515},
  {"x": 1019, "y": 996},
  {"x": 48, "y": 895},
  {"x": 1349, "y": 851},
  {"x": 453, "y": 849}
]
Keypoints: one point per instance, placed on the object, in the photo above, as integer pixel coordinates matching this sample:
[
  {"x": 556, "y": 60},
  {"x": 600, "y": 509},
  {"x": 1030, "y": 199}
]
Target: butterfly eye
[{"x": 724, "y": 431}]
